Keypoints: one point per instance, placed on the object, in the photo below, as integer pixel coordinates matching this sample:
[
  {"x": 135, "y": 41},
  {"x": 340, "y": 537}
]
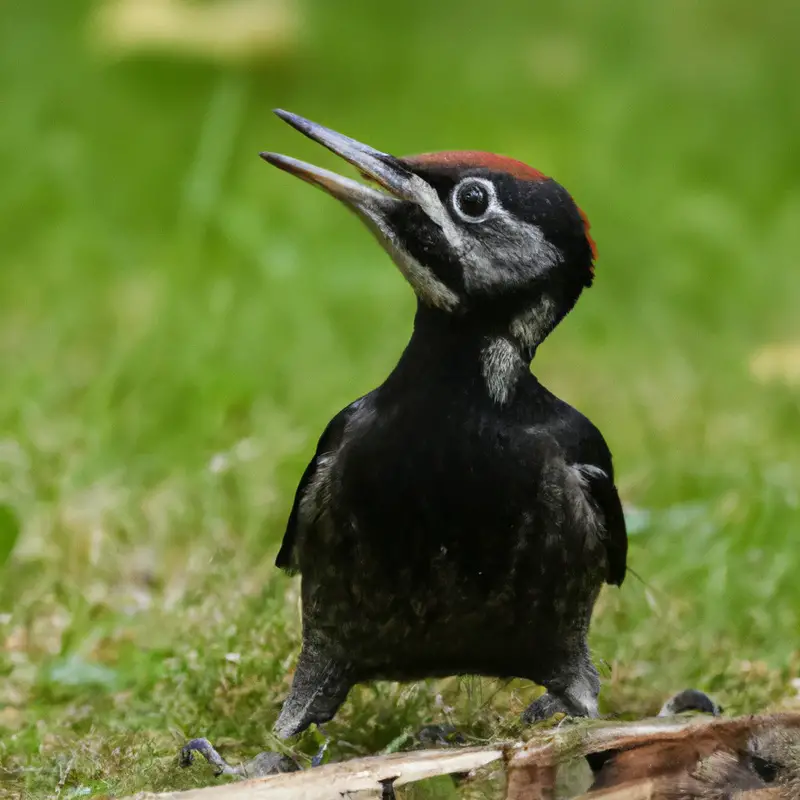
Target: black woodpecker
[{"x": 459, "y": 518}]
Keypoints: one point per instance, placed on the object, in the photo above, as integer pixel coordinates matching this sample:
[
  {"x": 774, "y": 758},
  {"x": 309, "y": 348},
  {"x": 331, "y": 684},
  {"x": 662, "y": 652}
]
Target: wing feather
[{"x": 329, "y": 442}]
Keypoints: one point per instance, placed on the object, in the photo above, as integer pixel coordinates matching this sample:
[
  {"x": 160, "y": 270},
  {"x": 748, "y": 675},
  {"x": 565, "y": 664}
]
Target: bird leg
[
  {"x": 574, "y": 693},
  {"x": 319, "y": 687}
]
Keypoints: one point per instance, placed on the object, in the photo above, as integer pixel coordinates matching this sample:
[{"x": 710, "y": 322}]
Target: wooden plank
[
  {"x": 335, "y": 780},
  {"x": 531, "y": 766}
]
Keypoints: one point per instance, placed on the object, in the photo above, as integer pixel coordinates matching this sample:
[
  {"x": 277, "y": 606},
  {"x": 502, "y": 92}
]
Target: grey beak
[{"x": 384, "y": 169}]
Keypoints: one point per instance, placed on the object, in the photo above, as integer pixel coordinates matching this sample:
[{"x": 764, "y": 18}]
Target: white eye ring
[{"x": 492, "y": 203}]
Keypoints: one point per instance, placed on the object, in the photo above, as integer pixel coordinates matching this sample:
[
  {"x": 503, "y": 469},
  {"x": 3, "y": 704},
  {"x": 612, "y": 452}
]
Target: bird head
[{"x": 477, "y": 235}]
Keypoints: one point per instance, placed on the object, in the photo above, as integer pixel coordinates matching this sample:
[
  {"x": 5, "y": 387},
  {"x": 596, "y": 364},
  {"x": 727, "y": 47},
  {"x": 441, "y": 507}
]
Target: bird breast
[{"x": 472, "y": 494}]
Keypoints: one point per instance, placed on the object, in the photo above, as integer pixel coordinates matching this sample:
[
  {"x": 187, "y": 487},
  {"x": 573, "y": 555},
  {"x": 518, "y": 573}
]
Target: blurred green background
[{"x": 178, "y": 321}]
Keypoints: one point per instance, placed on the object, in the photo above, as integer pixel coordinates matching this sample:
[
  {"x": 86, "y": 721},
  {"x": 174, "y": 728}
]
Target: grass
[{"x": 178, "y": 322}]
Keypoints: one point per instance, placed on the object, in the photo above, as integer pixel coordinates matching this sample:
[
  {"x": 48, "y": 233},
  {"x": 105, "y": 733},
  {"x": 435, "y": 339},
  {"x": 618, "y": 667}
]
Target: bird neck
[{"x": 489, "y": 355}]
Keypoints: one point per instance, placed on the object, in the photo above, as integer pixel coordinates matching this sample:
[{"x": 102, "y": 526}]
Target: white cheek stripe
[
  {"x": 429, "y": 288},
  {"x": 422, "y": 279}
]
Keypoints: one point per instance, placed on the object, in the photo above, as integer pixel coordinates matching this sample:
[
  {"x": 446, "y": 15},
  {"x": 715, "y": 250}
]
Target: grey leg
[
  {"x": 574, "y": 692},
  {"x": 320, "y": 686}
]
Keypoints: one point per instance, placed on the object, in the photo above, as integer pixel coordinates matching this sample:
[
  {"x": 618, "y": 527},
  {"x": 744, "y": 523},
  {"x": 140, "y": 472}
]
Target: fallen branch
[
  {"x": 369, "y": 774},
  {"x": 643, "y": 760}
]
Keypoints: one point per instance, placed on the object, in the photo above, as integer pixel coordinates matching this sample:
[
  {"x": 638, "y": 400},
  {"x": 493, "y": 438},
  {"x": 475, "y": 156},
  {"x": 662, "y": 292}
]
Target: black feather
[{"x": 328, "y": 442}]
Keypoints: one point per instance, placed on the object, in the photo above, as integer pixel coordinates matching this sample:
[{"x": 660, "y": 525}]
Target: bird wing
[
  {"x": 329, "y": 442},
  {"x": 615, "y": 536}
]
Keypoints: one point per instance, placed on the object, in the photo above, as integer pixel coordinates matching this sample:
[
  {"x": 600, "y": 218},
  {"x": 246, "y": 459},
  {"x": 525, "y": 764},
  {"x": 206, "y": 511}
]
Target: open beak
[
  {"x": 400, "y": 187},
  {"x": 387, "y": 171}
]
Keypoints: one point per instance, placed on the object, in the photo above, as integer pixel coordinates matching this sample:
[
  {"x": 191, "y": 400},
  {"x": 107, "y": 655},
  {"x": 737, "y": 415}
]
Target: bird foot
[
  {"x": 690, "y": 700},
  {"x": 545, "y": 707},
  {"x": 319, "y": 756},
  {"x": 259, "y": 767},
  {"x": 439, "y": 736}
]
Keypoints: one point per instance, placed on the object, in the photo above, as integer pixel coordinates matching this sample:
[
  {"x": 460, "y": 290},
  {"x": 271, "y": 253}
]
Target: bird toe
[
  {"x": 439, "y": 736},
  {"x": 263, "y": 764},
  {"x": 544, "y": 708}
]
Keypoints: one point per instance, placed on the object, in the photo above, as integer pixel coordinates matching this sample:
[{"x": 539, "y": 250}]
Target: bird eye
[{"x": 471, "y": 199}]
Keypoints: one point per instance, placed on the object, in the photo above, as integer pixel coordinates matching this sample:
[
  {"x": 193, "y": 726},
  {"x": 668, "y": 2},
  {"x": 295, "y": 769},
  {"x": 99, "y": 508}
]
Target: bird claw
[
  {"x": 690, "y": 700},
  {"x": 209, "y": 752},
  {"x": 319, "y": 756},
  {"x": 439, "y": 735},
  {"x": 262, "y": 765},
  {"x": 543, "y": 708}
]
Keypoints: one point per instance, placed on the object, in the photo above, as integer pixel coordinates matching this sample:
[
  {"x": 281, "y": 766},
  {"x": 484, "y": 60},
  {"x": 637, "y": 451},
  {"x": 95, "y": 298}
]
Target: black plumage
[{"x": 459, "y": 518}]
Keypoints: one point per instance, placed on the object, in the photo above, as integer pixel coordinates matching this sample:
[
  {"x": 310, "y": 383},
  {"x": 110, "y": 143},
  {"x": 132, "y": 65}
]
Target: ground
[{"x": 178, "y": 321}]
